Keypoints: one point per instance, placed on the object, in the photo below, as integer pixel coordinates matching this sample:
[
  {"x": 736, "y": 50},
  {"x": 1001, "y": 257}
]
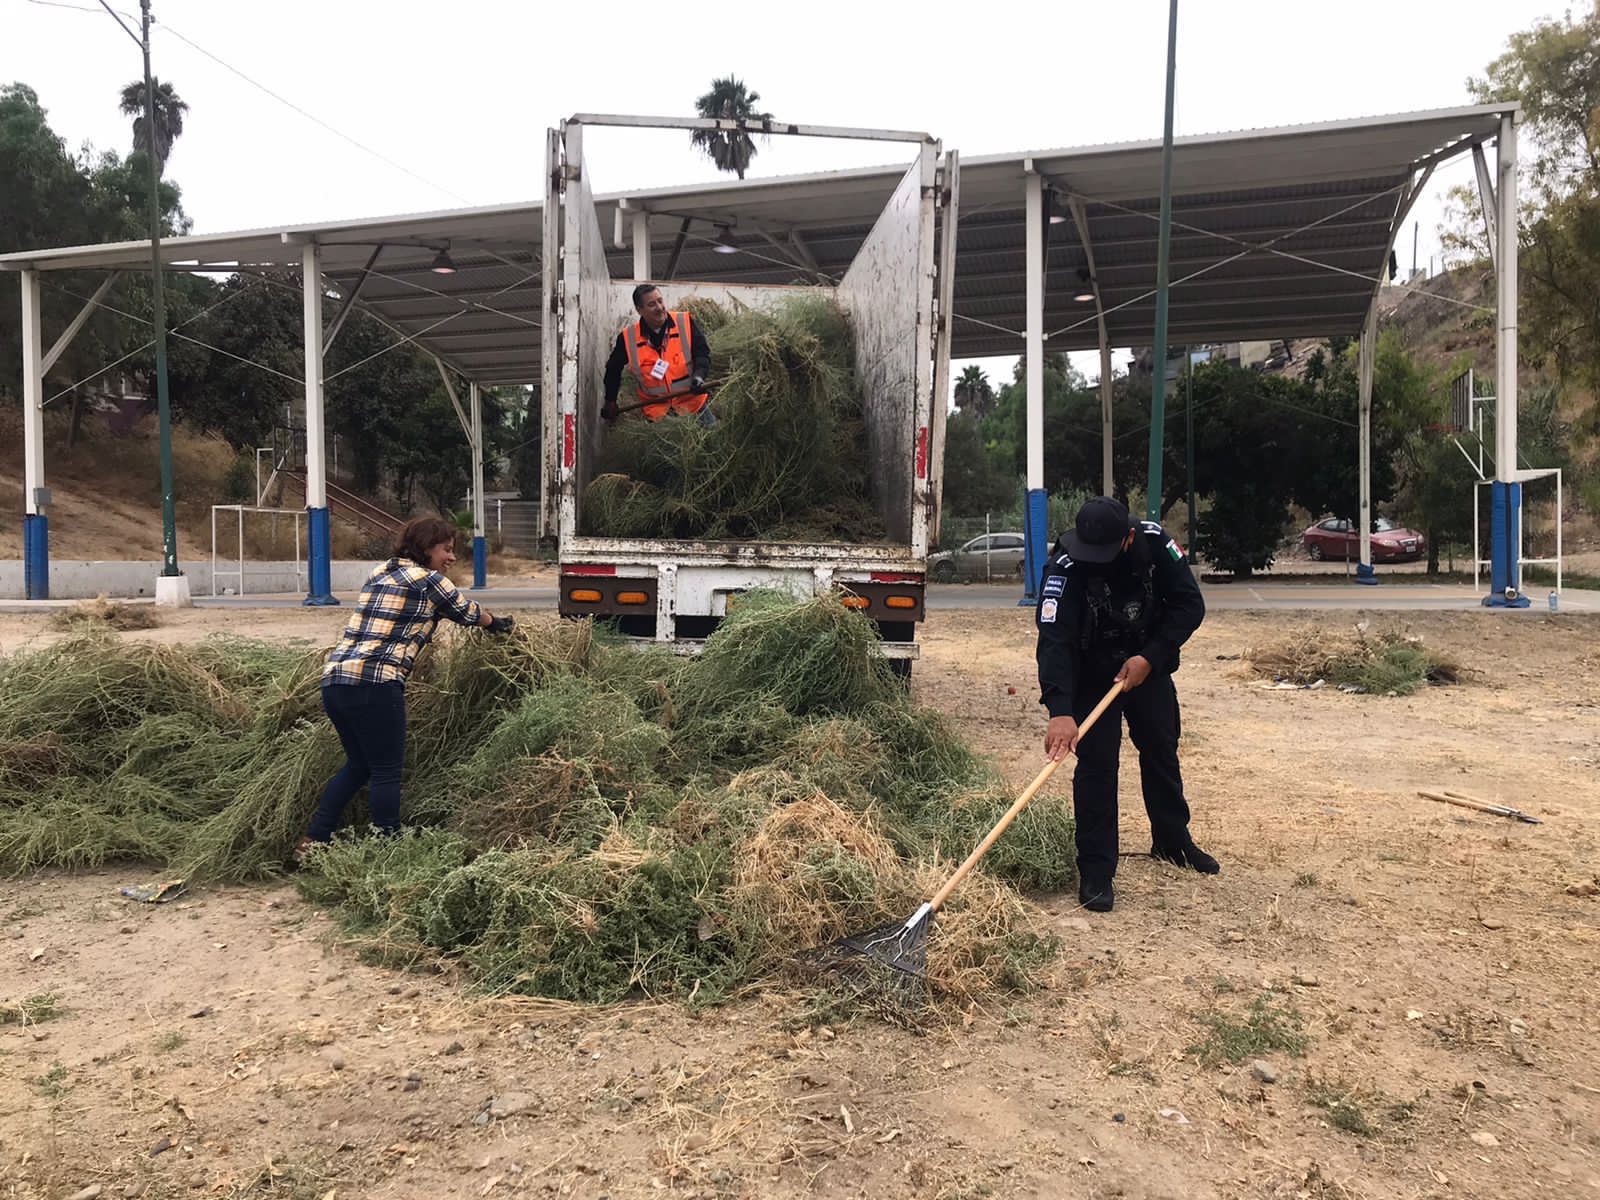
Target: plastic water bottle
[{"x": 1554, "y": 600}]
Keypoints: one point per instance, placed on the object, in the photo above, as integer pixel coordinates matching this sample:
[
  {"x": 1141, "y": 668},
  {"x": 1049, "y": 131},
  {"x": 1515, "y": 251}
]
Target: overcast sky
[{"x": 459, "y": 94}]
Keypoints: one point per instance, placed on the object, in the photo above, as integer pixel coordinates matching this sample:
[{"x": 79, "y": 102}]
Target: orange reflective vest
[{"x": 656, "y": 384}]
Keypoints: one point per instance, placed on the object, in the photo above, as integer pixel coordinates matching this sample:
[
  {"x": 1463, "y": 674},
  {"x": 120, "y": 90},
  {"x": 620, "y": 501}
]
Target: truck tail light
[
  {"x": 854, "y": 601},
  {"x": 584, "y": 595},
  {"x": 632, "y": 597},
  {"x": 900, "y": 601}
]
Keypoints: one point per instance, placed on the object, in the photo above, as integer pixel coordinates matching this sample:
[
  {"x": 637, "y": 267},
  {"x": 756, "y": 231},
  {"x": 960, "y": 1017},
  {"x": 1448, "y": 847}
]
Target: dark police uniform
[{"x": 1091, "y": 620}]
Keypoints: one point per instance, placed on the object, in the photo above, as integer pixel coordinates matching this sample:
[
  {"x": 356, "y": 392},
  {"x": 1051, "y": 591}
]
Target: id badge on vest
[{"x": 659, "y": 371}]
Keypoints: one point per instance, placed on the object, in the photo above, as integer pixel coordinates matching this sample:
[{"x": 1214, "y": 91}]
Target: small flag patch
[{"x": 1174, "y": 549}]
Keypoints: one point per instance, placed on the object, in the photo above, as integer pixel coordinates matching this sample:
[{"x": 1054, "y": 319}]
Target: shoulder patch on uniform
[
  {"x": 1175, "y": 550},
  {"x": 1152, "y": 526},
  {"x": 1047, "y": 612},
  {"x": 1063, "y": 559},
  {"x": 1054, "y": 585}
]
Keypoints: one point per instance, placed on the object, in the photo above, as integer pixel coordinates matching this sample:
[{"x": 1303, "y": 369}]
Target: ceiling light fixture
[{"x": 442, "y": 263}]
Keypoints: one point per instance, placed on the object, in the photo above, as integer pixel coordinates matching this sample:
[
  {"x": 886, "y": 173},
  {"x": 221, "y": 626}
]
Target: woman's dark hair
[{"x": 422, "y": 534}]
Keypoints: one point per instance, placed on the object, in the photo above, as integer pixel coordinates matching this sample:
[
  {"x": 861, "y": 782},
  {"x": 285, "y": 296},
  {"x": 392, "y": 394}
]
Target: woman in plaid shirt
[{"x": 363, "y": 682}]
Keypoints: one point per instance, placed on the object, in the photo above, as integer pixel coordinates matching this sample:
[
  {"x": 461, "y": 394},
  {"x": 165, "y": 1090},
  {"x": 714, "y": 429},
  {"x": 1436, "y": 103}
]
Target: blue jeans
[{"x": 370, "y": 719}]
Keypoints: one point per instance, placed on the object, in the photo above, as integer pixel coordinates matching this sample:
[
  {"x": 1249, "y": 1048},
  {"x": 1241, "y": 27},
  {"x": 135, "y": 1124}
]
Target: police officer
[{"x": 1116, "y": 602}]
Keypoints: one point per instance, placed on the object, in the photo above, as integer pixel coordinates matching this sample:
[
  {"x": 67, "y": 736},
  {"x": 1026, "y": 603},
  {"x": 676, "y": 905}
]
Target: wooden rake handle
[{"x": 1021, "y": 803}]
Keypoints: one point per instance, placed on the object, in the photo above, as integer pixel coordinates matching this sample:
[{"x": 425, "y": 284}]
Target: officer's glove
[
  {"x": 501, "y": 625},
  {"x": 697, "y": 384},
  {"x": 610, "y": 411}
]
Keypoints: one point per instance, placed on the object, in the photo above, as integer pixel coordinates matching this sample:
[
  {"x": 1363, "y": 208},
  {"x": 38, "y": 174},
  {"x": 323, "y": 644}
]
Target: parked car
[
  {"x": 987, "y": 556},
  {"x": 1340, "y": 540}
]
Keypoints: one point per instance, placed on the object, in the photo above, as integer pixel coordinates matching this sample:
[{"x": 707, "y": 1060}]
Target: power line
[{"x": 312, "y": 117}]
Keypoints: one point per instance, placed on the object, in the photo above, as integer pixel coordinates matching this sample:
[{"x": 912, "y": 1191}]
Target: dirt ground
[{"x": 1432, "y": 960}]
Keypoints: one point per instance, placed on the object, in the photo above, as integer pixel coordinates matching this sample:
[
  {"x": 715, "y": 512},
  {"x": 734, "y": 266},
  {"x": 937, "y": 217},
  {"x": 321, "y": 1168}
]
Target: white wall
[{"x": 79, "y": 580}]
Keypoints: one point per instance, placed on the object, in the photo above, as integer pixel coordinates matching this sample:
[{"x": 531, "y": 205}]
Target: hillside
[{"x": 106, "y": 492}]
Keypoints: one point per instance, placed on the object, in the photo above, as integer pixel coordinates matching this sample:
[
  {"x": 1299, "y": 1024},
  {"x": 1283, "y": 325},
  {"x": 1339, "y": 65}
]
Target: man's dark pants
[{"x": 1151, "y": 710}]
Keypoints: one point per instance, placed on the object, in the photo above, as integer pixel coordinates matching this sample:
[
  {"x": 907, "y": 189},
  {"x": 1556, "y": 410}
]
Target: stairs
[{"x": 347, "y": 506}]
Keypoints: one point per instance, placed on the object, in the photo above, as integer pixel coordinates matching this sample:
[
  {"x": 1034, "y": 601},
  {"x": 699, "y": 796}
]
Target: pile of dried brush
[
  {"x": 1390, "y": 662},
  {"x": 101, "y": 611},
  {"x": 786, "y": 460},
  {"x": 587, "y": 821}
]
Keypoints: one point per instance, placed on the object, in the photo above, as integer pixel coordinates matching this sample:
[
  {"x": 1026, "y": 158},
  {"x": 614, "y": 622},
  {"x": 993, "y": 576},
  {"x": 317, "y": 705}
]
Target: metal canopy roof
[{"x": 1276, "y": 233}]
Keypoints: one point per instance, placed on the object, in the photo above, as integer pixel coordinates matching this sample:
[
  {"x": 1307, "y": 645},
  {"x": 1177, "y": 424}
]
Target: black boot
[
  {"x": 1187, "y": 856},
  {"x": 1096, "y": 897}
]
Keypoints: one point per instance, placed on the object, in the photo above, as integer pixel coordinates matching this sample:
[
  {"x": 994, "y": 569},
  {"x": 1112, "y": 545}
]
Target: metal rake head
[{"x": 888, "y": 964}]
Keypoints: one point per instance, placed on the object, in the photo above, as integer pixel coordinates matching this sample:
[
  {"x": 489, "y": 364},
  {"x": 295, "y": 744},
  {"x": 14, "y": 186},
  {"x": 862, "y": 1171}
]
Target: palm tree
[
  {"x": 973, "y": 393},
  {"x": 728, "y": 100},
  {"x": 169, "y": 118}
]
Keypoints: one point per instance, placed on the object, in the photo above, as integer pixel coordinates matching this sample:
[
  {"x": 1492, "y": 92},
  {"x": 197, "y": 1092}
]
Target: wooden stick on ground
[{"x": 1476, "y": 805}]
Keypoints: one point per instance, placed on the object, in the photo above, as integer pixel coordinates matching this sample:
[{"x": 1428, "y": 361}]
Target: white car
[{"x": 987, "y": 556}]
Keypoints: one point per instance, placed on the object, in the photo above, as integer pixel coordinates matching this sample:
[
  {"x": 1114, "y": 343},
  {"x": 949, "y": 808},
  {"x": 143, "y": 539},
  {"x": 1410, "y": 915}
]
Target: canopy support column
[
  {"x": 319, "y": 533},
  {"x": 480, "y": 546},
  {"x": 1505, "y": 567},
  {"x": 641, "y": 246},
  {"x": 1369, "y": 338},
  {"x": 35, "y": 497},
  {"x": 1080, "y": 218},
  {"x": 1036, "y": 512}
]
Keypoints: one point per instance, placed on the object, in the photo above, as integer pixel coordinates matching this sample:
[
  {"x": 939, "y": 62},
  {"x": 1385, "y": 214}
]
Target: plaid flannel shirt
[{"x": 401, "y": 605}]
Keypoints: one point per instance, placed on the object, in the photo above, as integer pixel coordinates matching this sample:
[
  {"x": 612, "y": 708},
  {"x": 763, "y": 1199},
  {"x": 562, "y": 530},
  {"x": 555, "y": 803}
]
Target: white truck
[{"x": 896, "y": 293}]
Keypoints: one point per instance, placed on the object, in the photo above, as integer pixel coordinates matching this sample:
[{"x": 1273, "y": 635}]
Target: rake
[{"x": 895, "y": 957}]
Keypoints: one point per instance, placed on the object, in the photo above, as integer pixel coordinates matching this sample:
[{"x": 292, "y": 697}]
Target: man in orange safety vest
[{"x": 669, "y": 358}]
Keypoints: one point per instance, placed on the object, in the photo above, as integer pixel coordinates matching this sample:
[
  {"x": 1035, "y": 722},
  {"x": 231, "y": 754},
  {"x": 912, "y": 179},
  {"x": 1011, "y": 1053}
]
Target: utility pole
[
  {"x": 1158, "y": 389},
  {"x": 1188, "y": 438},
  {"x": 175, "y": 592},
  {"x": 169, "y": 517}
]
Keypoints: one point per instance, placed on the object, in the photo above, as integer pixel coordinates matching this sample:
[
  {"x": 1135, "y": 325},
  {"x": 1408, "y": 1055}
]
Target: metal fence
[{"x": 514, "y": 524}]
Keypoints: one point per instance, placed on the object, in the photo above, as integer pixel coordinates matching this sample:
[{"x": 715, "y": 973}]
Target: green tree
[
  {"x": 48, "y": 197},
  {"x": 1553, "y": 71},
  {"x": 1439, "y": 496},
  {"x": 974, "y": 482},
  {"x": 1241, "y": 532},
  {"x": 1561, "y": 294},
  {"x": 1249, "y": 431},
  {"x": 168, "y": 124},
  {"x": 526, "y": 451},
  {"x": 44, "y": 201},
  {"x": 728, "y": 100},
  {"x": 973, "y": 392}
]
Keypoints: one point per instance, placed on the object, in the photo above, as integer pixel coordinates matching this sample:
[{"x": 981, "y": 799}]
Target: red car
[{"x": 1340, "y": 540}]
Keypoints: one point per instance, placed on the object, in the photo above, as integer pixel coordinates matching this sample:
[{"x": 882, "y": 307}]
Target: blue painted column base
[
  {"x": 480, "y": 562},
  {"x": 1036, "y": 543},
  {"x": 1505, "y": 540},
  {"x": 319, "y": 559},
  {"x": 35, "y": 556},
  {"x": 1366, "y": 574}
]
